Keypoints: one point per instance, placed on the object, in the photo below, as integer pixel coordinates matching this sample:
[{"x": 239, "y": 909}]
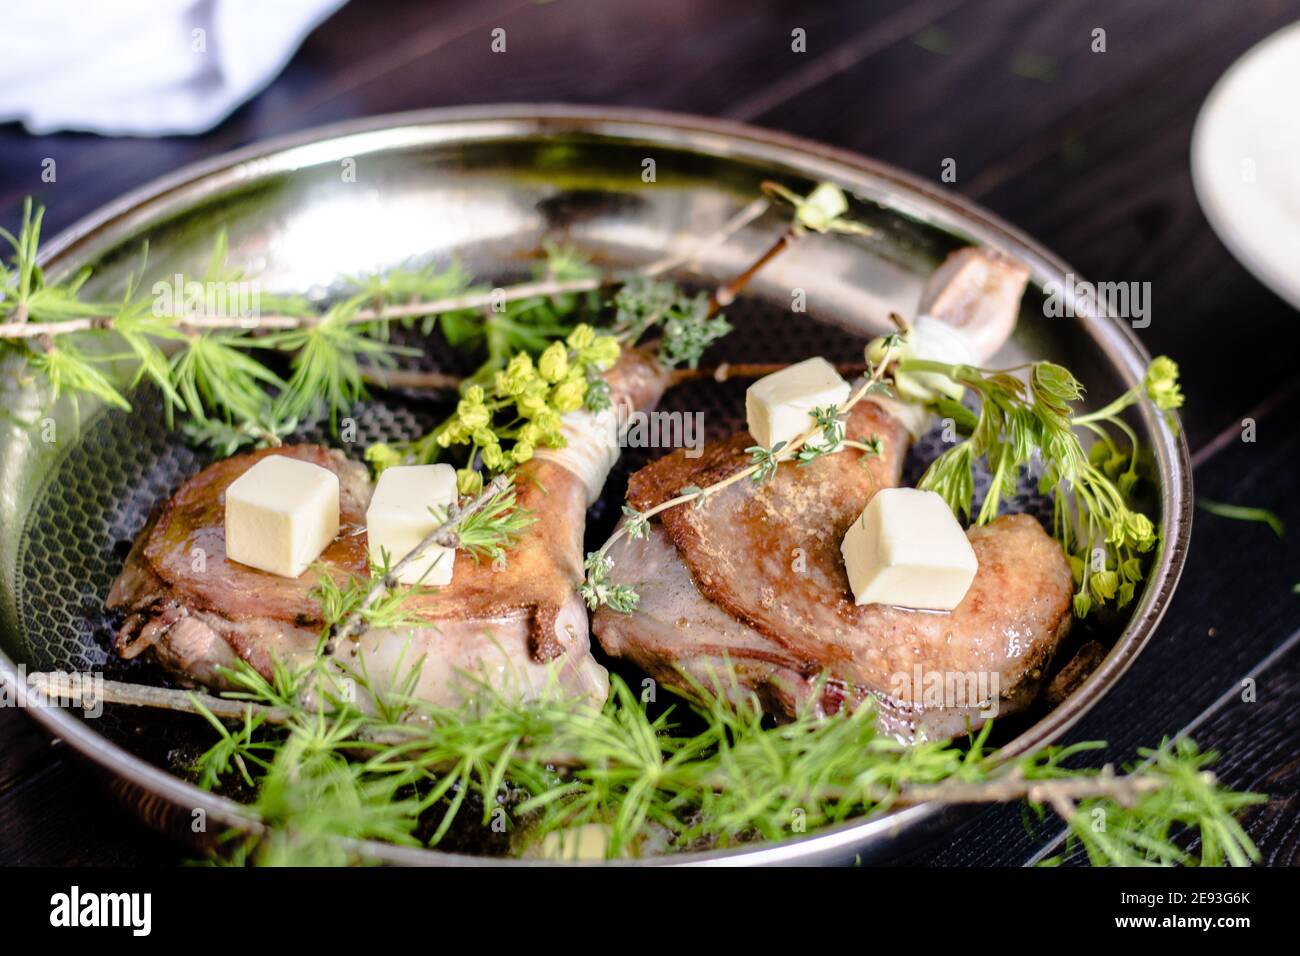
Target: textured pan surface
[{"x": 489, "y": 186}]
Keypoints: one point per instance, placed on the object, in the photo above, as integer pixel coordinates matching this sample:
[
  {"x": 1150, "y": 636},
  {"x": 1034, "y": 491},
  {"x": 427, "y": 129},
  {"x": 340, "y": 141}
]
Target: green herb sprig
[
  {"x": 688, "y": 324},
  {"x": 1180, "y": 793},
  {"x": 341, "y": 600},
  {"x": 596, "y": 588},
  {"x": 486, "y": 525},
  {"x": 410, "y": 769},
  {"x": 1019, "y": 425},
  {"x": 488, "y": 533},
  {"x": 328, "y": 764},
  {"x": 206, "y": 366}
]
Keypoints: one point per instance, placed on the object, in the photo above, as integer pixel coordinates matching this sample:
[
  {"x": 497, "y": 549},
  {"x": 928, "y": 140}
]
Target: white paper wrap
[{"x": 594, "y": 444}]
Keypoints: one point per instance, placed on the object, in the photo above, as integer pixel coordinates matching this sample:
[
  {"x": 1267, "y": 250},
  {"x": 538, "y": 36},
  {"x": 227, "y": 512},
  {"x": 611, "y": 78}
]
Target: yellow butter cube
[
  {"x": 908, "y": 549},
  {"x": 281, "y": 514},
  {"x": 399, "y": 518},
  {"x": 778, "y": 407}
]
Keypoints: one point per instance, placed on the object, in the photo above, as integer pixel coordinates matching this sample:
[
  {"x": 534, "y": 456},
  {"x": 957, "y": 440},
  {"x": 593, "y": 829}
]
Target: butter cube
[
  {"x": 590, "y": 841},
  {"x": 779, "y": 406},
  {"x": 908, "y": 549},
  {"x": 399, "y": 518},
  {"x": 281, "y": 514}
]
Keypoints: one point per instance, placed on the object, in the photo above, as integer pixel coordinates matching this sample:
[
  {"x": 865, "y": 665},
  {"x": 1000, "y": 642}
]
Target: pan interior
[{"x": 73, "y": 509}]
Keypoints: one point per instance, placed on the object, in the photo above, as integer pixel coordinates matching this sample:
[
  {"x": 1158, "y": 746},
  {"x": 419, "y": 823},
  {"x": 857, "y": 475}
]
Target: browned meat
[
  {"x": 755, "y": 577},
  {"x": 516, "y": 627},
  {"x": 769, "y": 554}
]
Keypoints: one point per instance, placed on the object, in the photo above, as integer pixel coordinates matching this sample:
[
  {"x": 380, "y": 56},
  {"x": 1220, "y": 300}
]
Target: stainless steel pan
[{"x": 489, "y": 185}]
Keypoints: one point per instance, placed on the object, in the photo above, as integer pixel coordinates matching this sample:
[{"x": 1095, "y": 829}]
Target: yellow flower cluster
[
  {"x": 539, "y": 393},
  {"x": 1161, "y": 383}
]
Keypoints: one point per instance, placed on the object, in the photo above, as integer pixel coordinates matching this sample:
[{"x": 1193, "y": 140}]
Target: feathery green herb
[
  {"x": 488, "y": 533},
  {"x": 1144, "y": 829},
  {"x": 406, "y": 773},
  {"x": 1019, "y": 425},
  {"x": 340, "y": 600}
]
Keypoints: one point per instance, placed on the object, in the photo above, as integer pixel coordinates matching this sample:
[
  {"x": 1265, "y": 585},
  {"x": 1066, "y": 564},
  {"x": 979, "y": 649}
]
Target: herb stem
[
  {"x": 741, "y": 370},
  {"x": 444, "y": 535},
  {"x": 726, "y": 293},
  {"x": 728, "y": 229},
  {"x": 1109, "y": 412},
  {"x": 57, "y": 686},
  {"x": 18, "y": 328},
  {"x": 1060, "y": 794},
  {"x": 725, "y": 372},
  {"x": 784, "y": 453},
  {"x": 1007, "y": 788},
  {"x": 406, "y": 378}
]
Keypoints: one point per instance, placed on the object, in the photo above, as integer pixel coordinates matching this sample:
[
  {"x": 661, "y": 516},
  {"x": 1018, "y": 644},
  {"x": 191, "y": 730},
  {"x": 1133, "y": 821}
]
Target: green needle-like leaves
[
  {"x": 326, "y": 365},
  {"x": 406, "y": 768}
]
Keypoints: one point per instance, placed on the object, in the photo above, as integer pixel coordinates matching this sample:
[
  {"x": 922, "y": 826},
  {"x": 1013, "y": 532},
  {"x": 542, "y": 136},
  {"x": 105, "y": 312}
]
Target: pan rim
[{"x": 929, "y": 203}]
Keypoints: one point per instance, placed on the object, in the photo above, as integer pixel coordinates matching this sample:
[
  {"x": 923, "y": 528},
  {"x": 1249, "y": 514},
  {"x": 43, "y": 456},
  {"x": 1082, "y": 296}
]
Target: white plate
[{"x": 1246, "y": 161}]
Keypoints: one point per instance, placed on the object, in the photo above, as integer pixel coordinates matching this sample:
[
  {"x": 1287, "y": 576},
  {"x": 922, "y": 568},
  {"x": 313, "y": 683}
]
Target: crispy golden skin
[{"x": 767, "y": 556}]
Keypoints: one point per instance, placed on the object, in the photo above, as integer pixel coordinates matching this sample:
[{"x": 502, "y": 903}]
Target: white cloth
[{"x": 144, "y": 67}]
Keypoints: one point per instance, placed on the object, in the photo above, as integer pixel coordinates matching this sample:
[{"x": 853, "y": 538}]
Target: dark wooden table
[{"x": 1086, "y": 151}]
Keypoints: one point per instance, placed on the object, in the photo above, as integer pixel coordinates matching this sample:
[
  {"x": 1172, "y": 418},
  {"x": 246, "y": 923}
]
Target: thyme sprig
[
  {"x": 489, "y": 534},
  {"x": 689, "y": 324},
  {"x": 596, "y": 589}
]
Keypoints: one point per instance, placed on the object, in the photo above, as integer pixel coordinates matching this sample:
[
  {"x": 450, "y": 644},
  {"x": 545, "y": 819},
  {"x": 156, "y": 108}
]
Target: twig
[
  {"x": 57, "y": 686},
  {"x": 728, "y": 229},
  {"x": 410, "y": 378},
  {"x": 445, "y": 382},
  {"x": 729, "y": 370},
  {"x": 444, "y": 535},
  {"x": 470, "y": 300},
  {"x": 187, "y": 321},
  {"x": 198, "y": 322},
  {"x": 1060, "y": 794},
  {"x": 726, "y": 293}
]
